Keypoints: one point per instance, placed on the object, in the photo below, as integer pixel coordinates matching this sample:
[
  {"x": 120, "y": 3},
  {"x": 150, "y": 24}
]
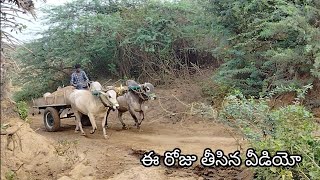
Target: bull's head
[
  {"x": 94, "y": 86},
  {"x": 109, "y": 98},
  {"x": 148, "y": 90}
]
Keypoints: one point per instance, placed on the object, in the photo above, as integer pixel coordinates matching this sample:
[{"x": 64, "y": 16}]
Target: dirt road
[{"x": 118, "y": 156}]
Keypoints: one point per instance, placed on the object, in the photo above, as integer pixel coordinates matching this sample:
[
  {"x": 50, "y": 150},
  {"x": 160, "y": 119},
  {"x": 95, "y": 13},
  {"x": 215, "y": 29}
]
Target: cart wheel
[
  {"x": 51, "y": 119},
  {"x": 85, "y": 121}
]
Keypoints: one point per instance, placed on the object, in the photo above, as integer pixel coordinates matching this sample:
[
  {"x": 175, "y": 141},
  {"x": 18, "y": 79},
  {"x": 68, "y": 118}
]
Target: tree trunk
[{"x": 8, "y": 107}]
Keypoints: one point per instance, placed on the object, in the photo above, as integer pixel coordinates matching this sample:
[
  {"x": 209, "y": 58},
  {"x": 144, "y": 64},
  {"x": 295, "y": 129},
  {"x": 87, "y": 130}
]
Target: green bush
[
  {"x": 10, "y": 175},
  {"x": 34, "y": 88},
  {"x": 286, "y": 129},
  {"x": 267, "y": 43},
  {"x": 22, "y": 110},
  {"x": 216, "y": 92},
  {"x": 250, "y": 116},
  {"x": 293, "y": 132},
  {"x": 25, "y": 95}
]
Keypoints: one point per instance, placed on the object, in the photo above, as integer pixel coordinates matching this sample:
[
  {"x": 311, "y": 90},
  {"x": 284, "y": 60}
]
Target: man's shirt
[{"x": 80, "y": 77}]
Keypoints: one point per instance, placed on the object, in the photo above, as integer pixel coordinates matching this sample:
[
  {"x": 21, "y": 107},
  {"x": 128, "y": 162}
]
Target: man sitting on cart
[{"x": 79, "y": 79}]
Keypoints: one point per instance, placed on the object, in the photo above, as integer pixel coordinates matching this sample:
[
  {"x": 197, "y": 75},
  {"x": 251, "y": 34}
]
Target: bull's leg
[
  {"x": 78, "y": 123},
  {"x": 135, "y": 118},
  {"x": 33, "y": 112},
  {"x": 106, "y": 118},
  {"x": 121, "y": 120},
  {"x": 93, "y": 122},
  {"x": 76, "y": 114},
  {"x": 104, "y": 122},
  {"x": 141, "y": 116}
]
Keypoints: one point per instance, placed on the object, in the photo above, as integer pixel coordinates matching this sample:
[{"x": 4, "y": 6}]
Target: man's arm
[
  {"x": 72, "y": 80},
  {"x": 85, "y": 77}
]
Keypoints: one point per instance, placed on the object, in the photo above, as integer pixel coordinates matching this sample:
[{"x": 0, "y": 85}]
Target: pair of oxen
[{"x": 99, "y": 101}]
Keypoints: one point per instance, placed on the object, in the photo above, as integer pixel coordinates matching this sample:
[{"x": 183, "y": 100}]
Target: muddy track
[{"x": 118, "y": 156}]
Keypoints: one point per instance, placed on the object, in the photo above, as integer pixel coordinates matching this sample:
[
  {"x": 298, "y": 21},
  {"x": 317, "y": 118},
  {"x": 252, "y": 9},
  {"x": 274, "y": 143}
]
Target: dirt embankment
[
  {"x": 25, "y": 154},
  {"x": 170, "y": 123}
]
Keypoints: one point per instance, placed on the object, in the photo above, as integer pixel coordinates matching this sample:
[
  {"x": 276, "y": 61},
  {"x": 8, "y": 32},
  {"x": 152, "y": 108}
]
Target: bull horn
[
  {"x": 104, "y": 89},
  {"x": 89, "y": 84}
]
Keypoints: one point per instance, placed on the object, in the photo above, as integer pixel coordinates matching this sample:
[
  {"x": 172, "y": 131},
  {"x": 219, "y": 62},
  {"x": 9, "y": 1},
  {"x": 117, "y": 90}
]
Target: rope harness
[
  {"x": 138, "y": 90},
  {"x": 98, "y": 94}
]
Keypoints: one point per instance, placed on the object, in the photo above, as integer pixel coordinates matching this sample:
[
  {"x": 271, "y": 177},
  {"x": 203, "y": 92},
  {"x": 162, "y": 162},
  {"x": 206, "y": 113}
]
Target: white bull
[{"x": 93, "y": 103}]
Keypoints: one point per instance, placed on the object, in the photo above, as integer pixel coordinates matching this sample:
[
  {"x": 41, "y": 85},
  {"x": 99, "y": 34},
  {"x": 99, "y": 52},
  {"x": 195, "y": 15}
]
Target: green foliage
[
  {"x": 286, "y": 129},
  {"x": 29, "y": 92},
  {"x": 22, "y": 110},
  {"x": 301, "y": 92},
  {"x": 4, "y": 126},
  {"x": 136, "y": 39},
  {"x": 10, "y": 175},
  {"x": 264, "y": 43},
  {"x": 250, "y": 116},
  {"x": 270, "y": 43},
  {"x": 216, "y": 92},
  {"x": 293, "y": 132},
  {"x": 239, "y": 75}
]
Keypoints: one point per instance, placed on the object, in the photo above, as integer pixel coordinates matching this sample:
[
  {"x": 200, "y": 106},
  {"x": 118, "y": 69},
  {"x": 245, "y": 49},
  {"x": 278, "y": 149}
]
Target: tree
[
  {"x": 147, "y": 40},
  {"x": 270, "y": 42},
  {"x": 10, "y": 13}
]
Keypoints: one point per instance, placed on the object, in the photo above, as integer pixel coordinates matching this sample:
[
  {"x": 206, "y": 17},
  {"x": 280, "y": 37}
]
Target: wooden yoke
[{"x": 119, "y": 90}]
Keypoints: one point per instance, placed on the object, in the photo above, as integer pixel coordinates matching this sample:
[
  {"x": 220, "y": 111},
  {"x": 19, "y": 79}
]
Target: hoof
[
  {"x": 76, "y": 131},
  {"x": 83, "y": 134},
  {"x": 92, "y": 131},
  {"x": 124, "y": 127},
  {"x": 106, "y": 136},
  {"x": 138, "y": 127}
]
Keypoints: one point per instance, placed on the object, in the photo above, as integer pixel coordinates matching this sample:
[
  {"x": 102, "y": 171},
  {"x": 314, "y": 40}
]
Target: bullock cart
[{"x": 56, "y": 107}]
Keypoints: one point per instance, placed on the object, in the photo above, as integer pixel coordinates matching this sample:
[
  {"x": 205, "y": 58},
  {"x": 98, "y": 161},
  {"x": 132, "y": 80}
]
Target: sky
[{"x": 35, "y": 26}]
